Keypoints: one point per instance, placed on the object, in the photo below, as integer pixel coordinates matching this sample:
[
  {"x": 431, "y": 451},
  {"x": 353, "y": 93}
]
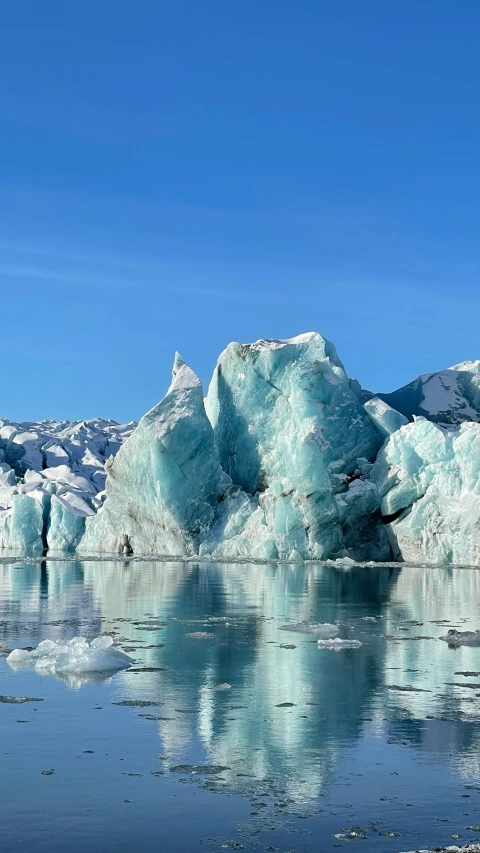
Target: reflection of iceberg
[
  {"x": 432, "y": 600},
  {"x": 53, "y": 595},
  {"x": 244, "y": 606},
  {"x": 437, "y": 599}
]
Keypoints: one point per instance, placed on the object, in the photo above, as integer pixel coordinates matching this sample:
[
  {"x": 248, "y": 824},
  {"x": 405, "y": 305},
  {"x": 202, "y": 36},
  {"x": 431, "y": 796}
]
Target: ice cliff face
[
  {"x": 429, "y": 481},
  {"x": 276, "y": 470},
  {"x": 291, "y": 432},
  {"x": 285, "y": 459}
]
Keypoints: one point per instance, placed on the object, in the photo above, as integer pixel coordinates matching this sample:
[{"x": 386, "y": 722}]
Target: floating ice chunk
[
  {"x": 462, "y": 638},
  {"x": 336, "y": 643},
  {"x": 103, "y": 642},
  {"x": 318, "y": 629},
  {"x": 75, "y": 657},
  {"x": 19, "y": 656},
  {"x": 18, "y": 700}
]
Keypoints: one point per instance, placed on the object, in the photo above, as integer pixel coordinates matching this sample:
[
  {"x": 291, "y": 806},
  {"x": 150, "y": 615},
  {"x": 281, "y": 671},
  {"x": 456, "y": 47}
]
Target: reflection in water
[
  {"x": 288, "y": 713},
  {"x": 427, "y": 603}
]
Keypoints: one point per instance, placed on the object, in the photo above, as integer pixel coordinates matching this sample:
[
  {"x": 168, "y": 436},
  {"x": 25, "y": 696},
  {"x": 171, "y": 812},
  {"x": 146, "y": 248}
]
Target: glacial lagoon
[{"x": 230, "y": 731}]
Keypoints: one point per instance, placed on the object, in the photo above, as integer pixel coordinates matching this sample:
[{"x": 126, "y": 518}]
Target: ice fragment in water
[
  {"x": 462, "y": 638},
  {"x": 318, "y": 629},
  {"x": 336, "y": 643},
  {"x": 75, "y": 657}
]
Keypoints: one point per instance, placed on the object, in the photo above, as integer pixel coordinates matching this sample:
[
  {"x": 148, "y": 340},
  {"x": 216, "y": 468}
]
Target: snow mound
[{"x": 75, "y": 657}]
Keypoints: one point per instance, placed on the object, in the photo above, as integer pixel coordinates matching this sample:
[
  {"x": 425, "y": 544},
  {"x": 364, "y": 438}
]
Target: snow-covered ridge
[{"x": 447, "y": 397}]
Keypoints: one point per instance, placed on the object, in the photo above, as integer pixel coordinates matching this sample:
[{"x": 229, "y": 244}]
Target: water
[{"x": 318, "y": 743}]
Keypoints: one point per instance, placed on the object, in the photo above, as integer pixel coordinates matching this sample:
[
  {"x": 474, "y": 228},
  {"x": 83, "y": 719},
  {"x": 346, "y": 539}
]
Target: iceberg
[
  {"x": 285, "y": 459},
  {"x": 336, "y": 644},
  {"x": 428, "y": 478},
  {"x": 76, "y": 657},
  {"x": 290, "y": 429},
  {"x": 165, "y": 482},
  {"x": 456, "y": 638}
]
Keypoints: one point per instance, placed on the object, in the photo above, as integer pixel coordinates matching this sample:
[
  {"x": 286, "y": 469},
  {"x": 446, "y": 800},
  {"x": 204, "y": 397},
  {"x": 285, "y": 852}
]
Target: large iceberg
[
  {"x": 290, "y": 430},
  {"x": 265, "y": 471},
  {"x": 286, "y": 458}
]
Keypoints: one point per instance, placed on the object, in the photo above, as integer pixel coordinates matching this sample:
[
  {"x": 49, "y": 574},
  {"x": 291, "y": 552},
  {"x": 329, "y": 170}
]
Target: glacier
[
  {"x": 285, "y": 458},
  {"x": 52, "y": 477}
]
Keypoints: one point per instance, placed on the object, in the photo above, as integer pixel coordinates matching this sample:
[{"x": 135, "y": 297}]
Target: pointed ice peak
[
  {"x": 178, "y": 363},
  {"x": 183, "y": 376}
]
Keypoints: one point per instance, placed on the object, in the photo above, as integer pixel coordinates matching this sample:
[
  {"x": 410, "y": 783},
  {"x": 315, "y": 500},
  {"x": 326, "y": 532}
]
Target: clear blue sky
[{"x": 176, "y": 175}]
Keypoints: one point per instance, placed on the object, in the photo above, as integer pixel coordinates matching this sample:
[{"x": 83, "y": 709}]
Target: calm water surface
[{"x": 306, "y": 744}]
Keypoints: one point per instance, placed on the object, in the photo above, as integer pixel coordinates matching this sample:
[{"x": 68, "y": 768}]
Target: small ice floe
[
  {"x": 18, "y": 700},
  {"x": 462, "y": 638},
  {"x": 353, "y": 833},
  {"x": 325, "y": 630},
  {"x": 200, "y": 635},
  {"x": 336, "y": 644},
  {"x": 76, "y": 657}
]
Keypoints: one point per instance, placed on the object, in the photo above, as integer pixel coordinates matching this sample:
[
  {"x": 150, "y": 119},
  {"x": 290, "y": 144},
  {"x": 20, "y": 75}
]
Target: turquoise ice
[
  {"x": 165, "y": 482},
  {"x": 429, "y": 480},
  {"x": 285, "y": 459}
]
